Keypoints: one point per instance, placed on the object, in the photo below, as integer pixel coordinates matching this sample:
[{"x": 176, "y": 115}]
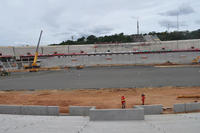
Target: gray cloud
[
  {"x": 51, "y": 18},
  {"x": 134, "y": 17},
  {"x": 168, "y": 24},
  {"x": 184, "y": 9},
  {"x": 197, "y": 21},
  {"x": 171, "y": 24},
  {"x": 96, "y": 30},
  {"x": 22, "y": 20},
  {"x": 21, "y": 43},
  {"x": 61, "y": 34},
  {"x": 101, "y": 30}
]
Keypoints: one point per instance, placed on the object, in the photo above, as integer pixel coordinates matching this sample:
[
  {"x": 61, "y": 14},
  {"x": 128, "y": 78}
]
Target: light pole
[
  {"x": 177, "y": 27},
  {"x": 177, "y": 21},
  {"x": 138, "y": 27}
]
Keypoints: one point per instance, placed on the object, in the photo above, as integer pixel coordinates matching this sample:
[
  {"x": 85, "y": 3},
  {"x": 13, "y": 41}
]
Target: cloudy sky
[{"x": 22, "y": 20}]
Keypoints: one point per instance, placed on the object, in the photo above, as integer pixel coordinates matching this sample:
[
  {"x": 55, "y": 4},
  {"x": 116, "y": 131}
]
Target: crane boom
[{"x": 36, "y": 52}]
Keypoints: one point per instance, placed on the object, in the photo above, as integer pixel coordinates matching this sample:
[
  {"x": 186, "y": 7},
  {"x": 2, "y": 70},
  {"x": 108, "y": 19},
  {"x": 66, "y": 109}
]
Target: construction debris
[{"x": 197, "y": 96}]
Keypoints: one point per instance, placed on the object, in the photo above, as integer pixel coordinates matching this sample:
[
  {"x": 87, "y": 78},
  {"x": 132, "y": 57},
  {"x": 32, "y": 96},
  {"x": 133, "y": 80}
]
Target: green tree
[
  {"x": 121, "y": 38},
  {"x": 81, "y": 40},
  {"x": 91, "y": 39}
]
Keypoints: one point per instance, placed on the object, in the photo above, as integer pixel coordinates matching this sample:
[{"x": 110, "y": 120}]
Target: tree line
[
  {"x": 177, "y": 35},
  {"x": 121, "y": 38}
]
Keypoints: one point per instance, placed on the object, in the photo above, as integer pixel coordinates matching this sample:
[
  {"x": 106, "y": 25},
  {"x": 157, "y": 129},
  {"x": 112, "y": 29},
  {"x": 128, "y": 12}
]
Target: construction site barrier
[
  {"x": 116, "y": 114},
  {"x": 192, "y": 107},
  {"x": 178, "y": 108},
  {"x": 186, "y": 107},
  {"x": 151, "y": 109},
  {"x": 120, "y": 59},
  {"x": 53, "y": 110},
  {"x": 106, "y": 54},
  {"x": 10, "y": 109},
  {"x": 92, "y": 59},
  {"x": 80, "y": 110},
  {"x": 29, "y": 110}
]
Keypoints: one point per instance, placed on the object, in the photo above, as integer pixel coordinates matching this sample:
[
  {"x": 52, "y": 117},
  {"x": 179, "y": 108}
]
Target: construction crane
[{"x": 34, "y": 66}]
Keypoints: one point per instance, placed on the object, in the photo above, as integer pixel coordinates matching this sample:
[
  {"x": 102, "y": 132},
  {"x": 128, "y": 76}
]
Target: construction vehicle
[
  {"x": 196, "y": 60},
  {"x": 80, "y": 67},
  {"x": 3, "y": 71},
  {"x": 34, "y": 67}
]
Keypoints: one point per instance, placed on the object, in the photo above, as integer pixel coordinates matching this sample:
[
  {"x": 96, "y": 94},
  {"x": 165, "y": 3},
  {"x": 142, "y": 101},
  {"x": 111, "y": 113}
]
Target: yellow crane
[{"x": 34, "y": 67}]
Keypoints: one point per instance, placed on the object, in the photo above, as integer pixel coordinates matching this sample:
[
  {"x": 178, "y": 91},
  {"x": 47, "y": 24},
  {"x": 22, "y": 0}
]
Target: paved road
[
  {"x": 178, "y": 123},
  {"x": 104, "y": 77}
]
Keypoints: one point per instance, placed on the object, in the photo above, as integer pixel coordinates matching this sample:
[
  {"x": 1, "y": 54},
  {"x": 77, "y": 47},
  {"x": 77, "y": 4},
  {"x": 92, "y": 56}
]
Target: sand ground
[{"x": 101, "y": 98}]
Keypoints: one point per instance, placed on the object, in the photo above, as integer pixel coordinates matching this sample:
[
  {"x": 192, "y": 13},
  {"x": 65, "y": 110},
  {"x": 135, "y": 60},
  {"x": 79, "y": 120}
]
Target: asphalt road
[{"x": 103, "y": 77}]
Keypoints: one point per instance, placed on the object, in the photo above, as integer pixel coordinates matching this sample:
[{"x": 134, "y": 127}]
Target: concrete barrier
[
  {"x": 29, "y": 110},
  {"x": 116, "y": 114},
  {"x": 80, "y": 110},
  {"x": 192, "y": 107},
  {"x": 10, "y": 109},
  {"x": 34, "y": 110},
  {"x": 121, "y": 59},
  {"x": 186, "y": 107},
  {"x": 151, "y": 109},
  {"x": 178, "y": 108},
  {"x": 53, "y": 110}
]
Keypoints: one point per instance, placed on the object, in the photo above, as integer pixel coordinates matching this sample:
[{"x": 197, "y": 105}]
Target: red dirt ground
[{"x": 102, "y": 98}]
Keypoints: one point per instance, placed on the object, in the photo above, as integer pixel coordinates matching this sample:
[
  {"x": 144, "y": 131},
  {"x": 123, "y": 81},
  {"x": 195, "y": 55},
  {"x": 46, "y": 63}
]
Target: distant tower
[
  {"x": 177, "y": 21},
  {"x": 138, "y": 28}
]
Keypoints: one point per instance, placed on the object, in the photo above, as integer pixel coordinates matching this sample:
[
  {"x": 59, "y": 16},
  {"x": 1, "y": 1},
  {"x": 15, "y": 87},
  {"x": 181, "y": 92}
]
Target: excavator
[{"x": 34, "y": 67}]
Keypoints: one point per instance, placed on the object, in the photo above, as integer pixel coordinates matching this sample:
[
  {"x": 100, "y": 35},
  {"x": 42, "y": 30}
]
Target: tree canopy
[{"x": 121, "y": 38}]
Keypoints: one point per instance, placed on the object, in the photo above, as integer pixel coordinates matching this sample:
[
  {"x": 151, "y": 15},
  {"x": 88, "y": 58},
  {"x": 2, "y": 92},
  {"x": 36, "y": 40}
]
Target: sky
[{"x": 22, "y": 20}]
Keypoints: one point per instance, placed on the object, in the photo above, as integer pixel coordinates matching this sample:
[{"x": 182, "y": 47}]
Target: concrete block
[
  {"x": 53, "y": 110},
  {"x": 178, "y": 108},
  {"x": 151, "y": 109},
  {"x": 34, "y": 110},
  {"x": 116, "y": 114},
  {"x": 80, "y": 110},
  {"x": 29, "y": 110},
  {"x": 10, "y": 109},
  {"x": 192, "y": 107}
]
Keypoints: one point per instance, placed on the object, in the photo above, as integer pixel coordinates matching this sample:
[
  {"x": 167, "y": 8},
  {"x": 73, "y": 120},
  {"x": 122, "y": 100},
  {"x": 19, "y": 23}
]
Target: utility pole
[
  {"x": 138, "y": 27},
  {"x": 168, "y": 27},
  {"x": 72, "y": 38},
  {"x": 177, "y": 27},
  {"x": 177, "y": 21}
]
